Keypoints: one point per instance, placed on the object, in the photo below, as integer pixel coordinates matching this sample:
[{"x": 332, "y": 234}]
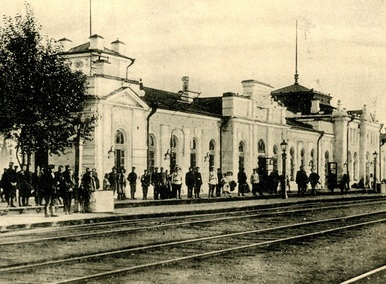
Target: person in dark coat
[
  {"x": 301, "y": 180},
  {"x": 25, "y": 187},
  {"x": 155, "y": 183},
  {"x": 145, "y": 183},
  {"x": 314, "y": 180},
  {"x": 9, "y": 183},
  {"x": 113, "y": 179},
  {"x": 48, "y": 184},
  {"x": 242, "y": 181},
  {"x": 88, "y": 186},
  {"x": 69, "y": 182},
  {"x": 121, "y": 186},
  {"x": 60, "y": 185},
  {"x": 162, "y": 182},
  {"x": 132, "y": 178},
  {"x": 189, "y": 181},
  {"x": 219, "y": 186},
  {"x": 197, "y": 182}
]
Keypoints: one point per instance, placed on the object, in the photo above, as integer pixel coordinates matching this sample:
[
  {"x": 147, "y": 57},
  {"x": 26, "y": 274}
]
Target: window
[
  {"x": 292, "y": 164},
  {"x": 151, "y": 153},
  {"x": 193, "y": 153},
  {"x": 261, "y": 146},
  {"x": 212, "y": 152},
  {"x": 173, "y": 152},
  {"x": 119, "y": 159}
]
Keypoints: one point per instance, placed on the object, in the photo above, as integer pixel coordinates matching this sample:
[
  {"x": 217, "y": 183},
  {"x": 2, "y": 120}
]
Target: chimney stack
[
  {"x": 185, "y": 83},
  {"x": 96, "y": 42},
  {"x": 65, "y": 43},
  {"x": 118, "y": 46},
  {"x": 315, "y": 106}
]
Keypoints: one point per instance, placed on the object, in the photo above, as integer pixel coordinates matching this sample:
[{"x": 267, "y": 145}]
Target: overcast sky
[{"x": 219, "y": 43}]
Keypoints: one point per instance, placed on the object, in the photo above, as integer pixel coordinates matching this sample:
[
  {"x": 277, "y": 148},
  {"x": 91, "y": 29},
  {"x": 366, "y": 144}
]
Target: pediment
[{"x": 126, "y": 97}]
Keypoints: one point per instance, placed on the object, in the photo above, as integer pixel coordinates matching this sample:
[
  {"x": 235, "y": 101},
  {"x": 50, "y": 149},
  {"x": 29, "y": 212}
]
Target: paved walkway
[{"x": 27, "y": 217}]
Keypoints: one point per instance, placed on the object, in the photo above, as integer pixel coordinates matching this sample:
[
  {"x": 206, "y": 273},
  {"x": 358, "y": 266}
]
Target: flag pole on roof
[{"x": 296, "y": 55}]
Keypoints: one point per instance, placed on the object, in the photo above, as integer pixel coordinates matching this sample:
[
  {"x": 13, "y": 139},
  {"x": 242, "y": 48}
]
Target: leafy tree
[{"x": 40, "y": 96}]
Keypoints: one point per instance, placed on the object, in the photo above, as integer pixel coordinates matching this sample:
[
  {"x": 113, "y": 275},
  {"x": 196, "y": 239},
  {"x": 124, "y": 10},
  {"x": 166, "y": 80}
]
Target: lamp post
[
  {"x": 375, "y": 155},
  {"x": 283, "y": 146}
]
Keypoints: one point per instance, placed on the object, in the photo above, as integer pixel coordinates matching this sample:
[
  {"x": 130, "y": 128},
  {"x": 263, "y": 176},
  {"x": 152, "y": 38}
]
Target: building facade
[{"x": 146, "y": 127}]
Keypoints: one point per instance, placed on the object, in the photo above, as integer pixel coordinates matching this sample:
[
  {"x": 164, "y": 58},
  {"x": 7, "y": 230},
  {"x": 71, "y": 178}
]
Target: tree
[{"x": 40, "y": 96}]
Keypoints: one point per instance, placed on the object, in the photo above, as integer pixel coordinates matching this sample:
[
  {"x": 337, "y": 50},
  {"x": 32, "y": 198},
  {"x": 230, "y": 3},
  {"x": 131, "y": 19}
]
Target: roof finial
[{"x": 296, "y": 55}]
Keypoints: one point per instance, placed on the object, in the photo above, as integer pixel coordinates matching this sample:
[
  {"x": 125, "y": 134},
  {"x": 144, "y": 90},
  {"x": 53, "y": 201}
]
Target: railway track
[
  {"x": 127, "y": 226},
  {"x": 85, "y": 268}
]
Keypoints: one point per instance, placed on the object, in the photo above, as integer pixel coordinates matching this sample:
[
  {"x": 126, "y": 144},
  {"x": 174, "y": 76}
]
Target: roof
[
  {"x": 295, "y": 88},
  {"x": 175, "y": 102},
  {"x": 85, "y": 47}
]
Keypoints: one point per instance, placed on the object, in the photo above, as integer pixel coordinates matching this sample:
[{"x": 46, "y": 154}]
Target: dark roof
[
  {"x": 295, "y": 88},
  {"x": 83, "y": 48},
  {"x": 176, "y": 102}
]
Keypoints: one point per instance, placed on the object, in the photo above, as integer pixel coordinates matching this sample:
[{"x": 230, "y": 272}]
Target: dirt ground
[{"x": 331, "y": 259}]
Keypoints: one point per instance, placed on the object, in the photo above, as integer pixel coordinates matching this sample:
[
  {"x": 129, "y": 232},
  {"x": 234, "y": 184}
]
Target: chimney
[
  {"x": 185, "y": 83},
  {"x": 118, "y": 46},
  {"x": 96, "y": 42},
  {"x": 185, "y": 94},
  {"x": 315, "y": 106},
  {"x": 65, "y": 44}
]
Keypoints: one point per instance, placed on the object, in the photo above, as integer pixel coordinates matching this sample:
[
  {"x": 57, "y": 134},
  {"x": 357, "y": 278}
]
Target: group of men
[{"x": 47, "y": 185}]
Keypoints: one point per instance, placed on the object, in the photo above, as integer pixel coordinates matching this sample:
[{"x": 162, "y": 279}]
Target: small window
[
  {"x": 119, "y": 138},
  {"x": 261, "y": 146}
]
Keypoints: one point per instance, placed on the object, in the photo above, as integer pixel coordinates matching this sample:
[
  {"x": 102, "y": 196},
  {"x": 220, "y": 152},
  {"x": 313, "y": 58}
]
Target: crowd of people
[{"x": 49, "y": 187}]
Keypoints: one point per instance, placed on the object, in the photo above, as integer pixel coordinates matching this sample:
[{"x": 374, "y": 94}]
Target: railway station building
[{"x": 144, "y": 127}]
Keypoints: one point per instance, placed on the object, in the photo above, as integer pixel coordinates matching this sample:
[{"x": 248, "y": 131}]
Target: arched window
[
  {"x": 212, "y": 152},
  {"x": 274, "y": 158},
  {"x": 193, "y": 153},
  {"x": 261, "y": 146},
  {"x": 241, "y": 155},
  {"x": 302, "y": 157},
  {"x": 312, "y": 161},
  {"x": 119, "y": 160},
  {"x": 173, "y": 152},
  {"x": 292, "y": 164},
  {"x": 119, "y": 139},
  {"x": 152, "y": 148}
]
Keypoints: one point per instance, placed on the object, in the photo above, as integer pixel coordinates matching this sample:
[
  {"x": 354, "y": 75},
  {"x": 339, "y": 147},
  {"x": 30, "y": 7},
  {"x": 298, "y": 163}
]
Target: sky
[{"x": 219, "y": 43}]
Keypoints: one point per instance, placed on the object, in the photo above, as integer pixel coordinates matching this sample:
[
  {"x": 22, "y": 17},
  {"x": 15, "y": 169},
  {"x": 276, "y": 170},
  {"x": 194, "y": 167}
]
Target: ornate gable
[{"x": 125, "y": 96}]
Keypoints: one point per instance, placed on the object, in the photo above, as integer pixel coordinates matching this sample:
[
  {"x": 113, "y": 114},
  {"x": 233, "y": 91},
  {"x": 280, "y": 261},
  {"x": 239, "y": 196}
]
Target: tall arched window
[
  {"x": 119, "y": 150},
  {"x": 312, "y": 161},
  {"x": 274, "y": 158},
  {"x": 212, "y": 152},
  {"x": 355, "y": 166},
  {"x": 152, "y": 148},
  {"x": 261, "y": 147},
  {"x": 173, "y": 152},
  {"x": 193, "y": 153},
  {"x": 292, "y": 163},
  {"x": 241, "y": 155},
  {"x": 302, "y": 157}
]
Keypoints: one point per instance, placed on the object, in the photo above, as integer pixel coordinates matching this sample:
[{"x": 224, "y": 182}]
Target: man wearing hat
[
  {"x": 301, "y": 180},
  {"x": 132, "y": 178},
  {"x": 47, "y": 184},
  {"x": 155, "y": 183},
  {"x": 9, "y": 181},
  {"x": 69, "y": 182}
]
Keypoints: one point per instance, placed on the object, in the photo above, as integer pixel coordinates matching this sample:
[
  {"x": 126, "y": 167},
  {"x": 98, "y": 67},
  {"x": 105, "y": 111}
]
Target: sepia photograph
[{"x": 207, "y": 141}]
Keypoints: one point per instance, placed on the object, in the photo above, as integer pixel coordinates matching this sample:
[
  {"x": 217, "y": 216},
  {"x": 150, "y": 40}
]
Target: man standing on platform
[
  {"x": 176, "y": 183},
  {"x": 301, "y": 180},
  {"x": 163, "y": 181},
  {"x": 255, "y": 180},
  {"x": 218, "y": 186},
  {"x": 242, "y": 181},
  {"x": 189, "y": 181},
  {"x": 155, "y": 183},
  {"x": 132, "y": 178},
  {"x": 213, "y": 181},
  {"x": 197, "y": 183},
  {"x": 145, "y": 183}
]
